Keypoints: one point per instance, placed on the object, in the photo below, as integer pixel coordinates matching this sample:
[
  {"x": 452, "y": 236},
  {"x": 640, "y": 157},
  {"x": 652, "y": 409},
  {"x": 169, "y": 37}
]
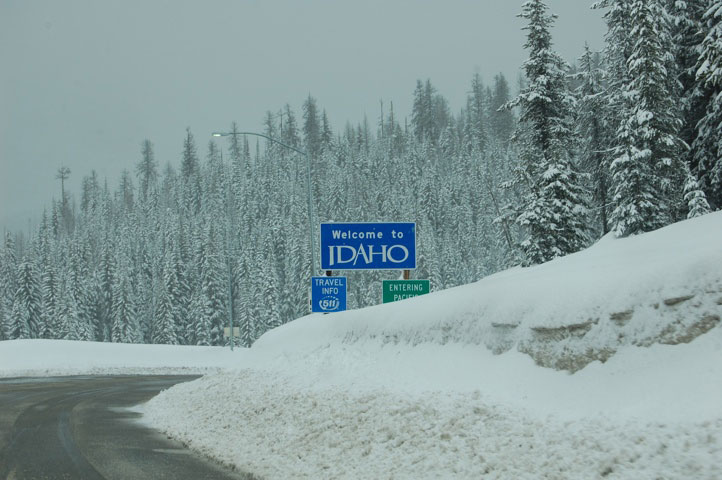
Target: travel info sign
[
  {"x": 368, "y": 246},
  {"x": 328, "y": 294}
]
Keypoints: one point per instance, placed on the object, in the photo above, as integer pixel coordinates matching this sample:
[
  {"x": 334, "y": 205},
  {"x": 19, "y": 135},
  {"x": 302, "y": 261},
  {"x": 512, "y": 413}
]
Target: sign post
[
  {"x": 395, "y": 290},
  {"x": 368, "y": 246},
  {"x": 328, "y": 294},
  {"x": 227, "y": 332}
]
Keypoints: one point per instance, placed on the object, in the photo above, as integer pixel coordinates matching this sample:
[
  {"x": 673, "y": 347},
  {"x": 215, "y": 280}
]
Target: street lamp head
[{"x": 218, "y": 134}]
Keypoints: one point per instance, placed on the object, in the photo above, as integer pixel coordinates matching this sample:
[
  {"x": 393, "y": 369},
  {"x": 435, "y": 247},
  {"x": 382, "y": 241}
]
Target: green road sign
[{"x": 395, "y": 290}]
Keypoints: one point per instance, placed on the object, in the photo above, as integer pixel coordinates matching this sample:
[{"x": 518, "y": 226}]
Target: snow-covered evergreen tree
[
  {"x": 106, "y": 279},
  {"x": 476, "y": 136},
  {"x": 125, "y": 326},
  {"x": 49, "y": 287},
  {"x": 688, "y": 33},
  {"x": 311, "y": 127},
  {"x": 151, "y": 264},
  {"x": 501, "y": 120},
  {"x": 695, "y": 198},
  {"x": 147, "y": 168},
  {"x": 213, "y": 293},
  {"x": 17, "y": 325},
  {"x": 26, "y": 309},
  {"x": 593, "y": 132},
  {"x": 648, "y": 171},
  {"x": 554, "y": 206},
  {"x": 8, "y": 284},
  {"x": 164, "y": 330},
  {"x": 124, "y": 316},
  {"x": 707, "y": 145},
  {"x": 190, "y": 175}
]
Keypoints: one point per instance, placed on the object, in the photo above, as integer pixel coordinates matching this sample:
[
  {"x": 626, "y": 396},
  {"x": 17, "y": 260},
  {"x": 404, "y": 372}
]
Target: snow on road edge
[
  {"x": 264, "y": 424},
  {"x": 39, "y": 357}
]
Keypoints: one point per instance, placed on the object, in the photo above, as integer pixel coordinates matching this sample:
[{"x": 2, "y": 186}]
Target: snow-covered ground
[
  {"x": 457, "y": 384},
  {"x": 20, "y": 358}
]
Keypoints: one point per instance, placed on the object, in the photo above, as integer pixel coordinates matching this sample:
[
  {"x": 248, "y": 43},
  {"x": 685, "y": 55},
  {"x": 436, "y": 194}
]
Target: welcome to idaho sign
[{"x": 368, "y": 246}]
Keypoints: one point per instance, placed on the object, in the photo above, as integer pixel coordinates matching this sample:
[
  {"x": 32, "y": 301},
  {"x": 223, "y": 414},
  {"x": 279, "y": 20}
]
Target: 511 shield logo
[{"x": 328, "y": 294}]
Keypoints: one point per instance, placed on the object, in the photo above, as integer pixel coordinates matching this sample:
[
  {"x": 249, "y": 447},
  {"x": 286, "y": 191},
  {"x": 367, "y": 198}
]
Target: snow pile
[
  {"x": 664, "y": 286},
  {"x": 20, "y": 358},
  {"x": 654, "y": 413},
  {"x": 378, "y": 434},
  {"x": 449, "y": 385}
]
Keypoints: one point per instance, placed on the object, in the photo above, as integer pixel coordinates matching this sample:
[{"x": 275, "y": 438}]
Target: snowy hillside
[
  {"x": 663, "y": 287},
  {"x": 453, "y": 384}
]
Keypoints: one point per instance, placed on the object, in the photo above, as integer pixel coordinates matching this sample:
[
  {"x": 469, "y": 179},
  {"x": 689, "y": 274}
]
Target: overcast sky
[{"x": 84, "y": 82}]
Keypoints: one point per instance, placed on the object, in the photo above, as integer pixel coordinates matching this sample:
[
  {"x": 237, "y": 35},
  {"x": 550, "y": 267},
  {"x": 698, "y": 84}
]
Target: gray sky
[{"x": 85, "y": 81}]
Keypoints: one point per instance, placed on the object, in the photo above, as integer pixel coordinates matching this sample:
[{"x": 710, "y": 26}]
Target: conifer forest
[{"x": 619, "y": 142}]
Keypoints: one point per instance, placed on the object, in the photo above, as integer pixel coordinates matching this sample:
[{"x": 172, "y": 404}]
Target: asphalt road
[{"x": 80, "y": 428}]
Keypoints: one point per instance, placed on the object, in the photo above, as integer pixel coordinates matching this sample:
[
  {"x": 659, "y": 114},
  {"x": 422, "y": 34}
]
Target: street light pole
[{"x": 308, "y": 177}]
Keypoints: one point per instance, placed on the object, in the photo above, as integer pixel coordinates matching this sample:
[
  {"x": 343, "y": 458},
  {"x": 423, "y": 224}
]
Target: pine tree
[
  {"x": 501, "y": 120},
  {"x": 147, "y": 168},
  {"x": 90, "y": 193},
  {"x": 190, "y": 175},
  {"x": 616, "y": 75},
  {"x": 289, "y": 129},
  {"x": 80, "y": 291},
  {"x": 695, "y": 198},
  {"x": 26, "y": 310},
  {"x": 164, "y": 328},
  {"x": 177, "y": 283},
  {"x": 554, "y": 209},
  {"x": 8, "y": 284},
  {"x": 49, "y": 291},
  {"x": 152, "y": 266},
  {"x": 66, "y": 327},
  {"x": 65, "y": 214},
  {"x": 146, "y": 291},
  {"x": 430, "y": 113},
  {"x": 707, "y": 146},
  {"x": 107, "y": 276},
  {"x": 125, "y": 327},
  {"x": 326, "y": 133},
  {"x": 245, "y": 319},
  {"x": 212, "y": 292},
  {"x": 200, "y": 323},
  {"x": 189, "y": 163},
  {"x": 17, "y": 326},
  {"x": 213, "y": 182},
  {"x": 311, "y": 127},
  {"x": 476, "y": 111},
  {"x": 647, "y": 172},
  {"x": 593, "y": 131},
  {"x": 126, "y": 192}
]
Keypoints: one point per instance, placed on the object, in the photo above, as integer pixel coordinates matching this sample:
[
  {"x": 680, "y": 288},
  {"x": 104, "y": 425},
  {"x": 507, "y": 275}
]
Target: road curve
[{"x": 79, "y": 428}]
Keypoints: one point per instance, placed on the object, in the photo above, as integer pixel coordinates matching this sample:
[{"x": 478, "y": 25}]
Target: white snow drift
[
  {"x": 449, "y": 385},
  {"x": 415, "y": 390},
  {"x": 60, "y": 357}
]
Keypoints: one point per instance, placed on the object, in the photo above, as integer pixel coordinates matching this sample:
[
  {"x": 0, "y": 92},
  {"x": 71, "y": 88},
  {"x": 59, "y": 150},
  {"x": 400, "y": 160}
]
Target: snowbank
[
  {"x": 459, "y": 412},
  {"x": 661, "y": 287},
  {"x": 452, "y": 384},
  {"x": 21, "y": 358}
]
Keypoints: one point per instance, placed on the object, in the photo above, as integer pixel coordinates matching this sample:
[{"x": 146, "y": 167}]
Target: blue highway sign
[
  {"x": 368, "y": 246},
  {"x": 328, "y": 294}
]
